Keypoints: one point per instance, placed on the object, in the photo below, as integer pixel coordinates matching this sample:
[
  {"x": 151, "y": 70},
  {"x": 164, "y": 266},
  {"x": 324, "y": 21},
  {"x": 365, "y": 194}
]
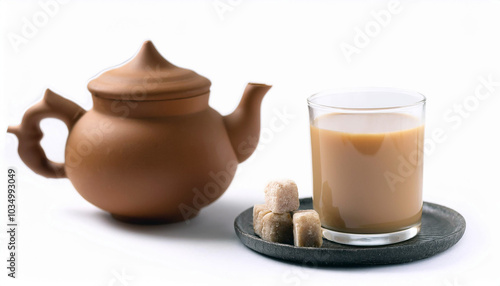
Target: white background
[{"x": 438, "y": 48}]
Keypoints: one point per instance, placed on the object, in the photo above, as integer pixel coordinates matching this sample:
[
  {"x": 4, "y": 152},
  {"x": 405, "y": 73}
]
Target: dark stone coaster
[{"x": 442, "y": 227}]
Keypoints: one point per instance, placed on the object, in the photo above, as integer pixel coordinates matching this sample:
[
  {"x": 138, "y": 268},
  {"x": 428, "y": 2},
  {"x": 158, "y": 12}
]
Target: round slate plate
[{"x": 442, "y": 227}]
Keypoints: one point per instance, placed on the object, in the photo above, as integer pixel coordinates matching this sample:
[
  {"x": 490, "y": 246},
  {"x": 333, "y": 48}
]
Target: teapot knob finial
[{"x": 148, "y": 57}]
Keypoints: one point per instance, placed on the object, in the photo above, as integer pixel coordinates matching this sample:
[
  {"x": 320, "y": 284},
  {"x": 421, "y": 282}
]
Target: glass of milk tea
[{"x": 367, "y": 159}]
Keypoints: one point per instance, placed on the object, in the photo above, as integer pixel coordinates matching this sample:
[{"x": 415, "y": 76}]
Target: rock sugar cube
[
  {"x": 307, "y": 229},
  {"x": 282, "y": 196},
  {"x": 258, "y": 213},
  {"x": 277, "y": 227}
]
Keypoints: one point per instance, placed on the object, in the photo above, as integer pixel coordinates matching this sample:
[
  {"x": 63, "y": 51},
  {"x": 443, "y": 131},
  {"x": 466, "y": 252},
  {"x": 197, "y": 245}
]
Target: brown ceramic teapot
[{"x": 151, "y": 150}]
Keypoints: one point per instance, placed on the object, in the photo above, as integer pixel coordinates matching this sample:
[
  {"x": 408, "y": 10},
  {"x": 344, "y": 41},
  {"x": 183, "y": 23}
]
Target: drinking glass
[{"x": 367, "y": 161}]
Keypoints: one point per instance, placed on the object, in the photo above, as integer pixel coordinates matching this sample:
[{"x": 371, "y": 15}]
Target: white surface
[{"x": 438, "y": 49}]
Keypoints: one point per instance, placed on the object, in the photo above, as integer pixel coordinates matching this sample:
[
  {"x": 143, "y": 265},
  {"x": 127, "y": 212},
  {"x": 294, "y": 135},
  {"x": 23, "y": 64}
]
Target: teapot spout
[{"x": 243, "y": 125}]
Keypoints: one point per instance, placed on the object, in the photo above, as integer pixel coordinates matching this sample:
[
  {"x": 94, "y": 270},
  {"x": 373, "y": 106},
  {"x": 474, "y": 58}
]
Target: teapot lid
[{"x": 148, "y": 76}]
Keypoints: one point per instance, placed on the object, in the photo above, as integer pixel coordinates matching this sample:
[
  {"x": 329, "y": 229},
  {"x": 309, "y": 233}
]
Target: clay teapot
[{"x": 151, "y": 150}]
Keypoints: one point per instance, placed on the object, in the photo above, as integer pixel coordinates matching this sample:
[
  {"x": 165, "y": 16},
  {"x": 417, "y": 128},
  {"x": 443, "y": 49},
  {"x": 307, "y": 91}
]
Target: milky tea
[{"x": 367, "y": 171}]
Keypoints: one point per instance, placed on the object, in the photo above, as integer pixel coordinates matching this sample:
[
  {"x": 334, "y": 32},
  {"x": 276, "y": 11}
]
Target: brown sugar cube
[
  {"x": 307, "y": 229},
  {"x": 258, "y": 212},
  {"x": 282, "y": 196},
  {"x": 277, "y": 228}
]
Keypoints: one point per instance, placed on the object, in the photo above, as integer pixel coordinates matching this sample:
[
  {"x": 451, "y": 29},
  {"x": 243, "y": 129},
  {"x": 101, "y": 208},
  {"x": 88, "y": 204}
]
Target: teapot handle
[{"x": 29, "y": 133}]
